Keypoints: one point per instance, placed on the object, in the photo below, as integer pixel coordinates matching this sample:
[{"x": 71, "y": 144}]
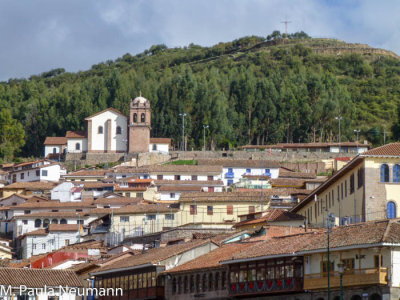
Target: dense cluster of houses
[{"x": 218, "y": 229}]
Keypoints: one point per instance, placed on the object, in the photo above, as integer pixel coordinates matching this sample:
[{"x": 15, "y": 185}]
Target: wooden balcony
[{"x": 357, "y": 277}]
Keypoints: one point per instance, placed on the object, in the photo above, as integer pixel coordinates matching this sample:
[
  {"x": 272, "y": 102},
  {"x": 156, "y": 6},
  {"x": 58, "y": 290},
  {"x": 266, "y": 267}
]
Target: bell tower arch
[{"x": 139, "y": 125}]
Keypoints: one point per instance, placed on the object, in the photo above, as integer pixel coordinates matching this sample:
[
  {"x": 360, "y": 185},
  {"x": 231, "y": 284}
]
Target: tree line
[{"x": 245, "y": 94}]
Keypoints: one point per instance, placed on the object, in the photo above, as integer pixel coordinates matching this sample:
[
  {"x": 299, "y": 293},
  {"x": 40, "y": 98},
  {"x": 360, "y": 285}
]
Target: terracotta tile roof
[
  {"x": 287, "y": 182},
  {"x": 117, "y": 188},
  {"x": 56, "y": 140},
  {"x": 304, "y": 145},
  {"x": 160, "y": 141},
  {"x": 38, "y": 278},
  {"x": 180, "y": 169},
  {"x": 153, "y": 256},
  {"x": 104, "y": 110},
  {"x": 86, "y": 172},
  {"x": 31, "y": 185},
  {"x": 272, "y": 215},
  {"x": 75, "y": 134},
  {"x": 210, "y": 260},
  {"x": 133, "y": 170},
  {"x": 240, "y": 163},
  {"x": 96, "y": 184},
  {"x": 138, "y": 180},
  {"x": 179, "y": 188},
  {"x": 52, "y": 204},
  {"x": 63, "y": 227},
  {"x": 220, "y": 197},
  {"x": 65, "y": 214},
  {"x": 30, "y": 163},
  {"x": 122, "y": 200},
  {"x": 392, "y": 149},
  {"x": 144, "y": 208},
  {"x": 41, "y": 231},
  {"x": 189, "y": 182},
  {"x": 343, "y": 158}
]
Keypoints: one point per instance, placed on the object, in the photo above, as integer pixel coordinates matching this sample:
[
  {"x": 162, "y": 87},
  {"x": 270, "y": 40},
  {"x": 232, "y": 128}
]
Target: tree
[{"x": 11, "y": 135}]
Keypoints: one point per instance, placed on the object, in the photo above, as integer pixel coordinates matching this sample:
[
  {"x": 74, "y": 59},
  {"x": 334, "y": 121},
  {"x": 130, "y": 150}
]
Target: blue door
[{"x": 391, "y": 210}]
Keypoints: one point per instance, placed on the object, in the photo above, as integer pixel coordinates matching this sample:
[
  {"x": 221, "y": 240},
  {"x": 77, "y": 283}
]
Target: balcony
[
  {"x": 355, "y": 277},
  {"x": 229, "y": 175},
  {"x": 268, "y": 286}
]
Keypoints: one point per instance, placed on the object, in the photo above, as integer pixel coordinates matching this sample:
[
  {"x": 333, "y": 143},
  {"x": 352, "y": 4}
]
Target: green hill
[{"x": 251, "y": 90}]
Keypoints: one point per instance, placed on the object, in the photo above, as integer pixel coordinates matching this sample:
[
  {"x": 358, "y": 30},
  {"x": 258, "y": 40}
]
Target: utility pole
[
  {"x": 357, "y": 131},
  {"x": 183, "y": 115},
  {"x": 286, "y": 22},
  {"x": 204, "y": 136},
  {"x": 339, "y": 118}
]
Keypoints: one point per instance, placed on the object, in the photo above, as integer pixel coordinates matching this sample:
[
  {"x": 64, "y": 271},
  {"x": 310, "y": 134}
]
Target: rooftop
[
  {"x": 56, "y": 140},
  {"x": 191, "y": 169},
  {"x": 32, "y": 185},
  {"x": 392, "y": 149},
  {"x": 241, "y": 163},
  {"x": 75, "y": 134}
]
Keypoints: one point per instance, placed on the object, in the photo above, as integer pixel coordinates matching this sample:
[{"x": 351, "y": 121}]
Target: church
[{"x": 110, "y": 131}]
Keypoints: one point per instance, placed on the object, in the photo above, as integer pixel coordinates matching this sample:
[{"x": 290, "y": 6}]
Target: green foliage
[
  {"x": 251, "y": 90},
  {"x": 183, "y": 162}
]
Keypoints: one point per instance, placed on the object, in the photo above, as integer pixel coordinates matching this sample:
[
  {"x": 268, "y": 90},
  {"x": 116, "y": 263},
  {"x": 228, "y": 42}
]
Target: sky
[{"x": 37, "y": 36}]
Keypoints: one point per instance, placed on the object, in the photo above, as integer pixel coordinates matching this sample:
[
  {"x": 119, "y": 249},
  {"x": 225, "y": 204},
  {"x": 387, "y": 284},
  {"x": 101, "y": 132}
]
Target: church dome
[{"x": 140, "y": 100}]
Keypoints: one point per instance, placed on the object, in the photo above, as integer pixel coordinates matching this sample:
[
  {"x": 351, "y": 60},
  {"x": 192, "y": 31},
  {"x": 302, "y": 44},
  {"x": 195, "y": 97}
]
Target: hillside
[{"x": 251, "y": 90}]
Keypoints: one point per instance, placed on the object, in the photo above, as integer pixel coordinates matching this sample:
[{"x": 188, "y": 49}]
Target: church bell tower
[{"x": 139, "y": 125}]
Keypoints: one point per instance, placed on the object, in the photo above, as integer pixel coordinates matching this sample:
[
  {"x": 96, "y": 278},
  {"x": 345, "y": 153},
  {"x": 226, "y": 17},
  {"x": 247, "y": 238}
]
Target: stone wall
[{"x": 151, "y": 158}]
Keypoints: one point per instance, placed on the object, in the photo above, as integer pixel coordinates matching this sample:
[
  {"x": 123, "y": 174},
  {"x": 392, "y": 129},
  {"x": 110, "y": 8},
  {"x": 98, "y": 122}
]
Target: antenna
[{"x": 286, "y": 22}]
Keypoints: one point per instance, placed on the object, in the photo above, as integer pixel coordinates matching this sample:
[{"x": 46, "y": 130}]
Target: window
[
  {"x": 192, "y": 283},
  {"x": 66, "y": 242},
  {"x": 348, "y": 264},
  {"x": 351, "y": 183},
  {"x": 54, "y": 150},
  {"x": 345, "y": 187},
  {"x": 118, "y": 130},
  {"x": 230, "y": 181},
  {"x": 151, "y": 217},
  {"x": 209, "y": 210},
  {"x": 44, "y": 173},
  {"x": 210, "y": 282},
  {"x": 138, "y": 195},
  {"x": 43, "y": 246},
  {"x": 172, "y": 195},
  {"x": 142, "y": 118},
  {"x": 169, "y": 216},
  {"x": 80, "y": 222},
  {"x": 230, "y": 170},
  {"x": 384, "y": 173},
  {"x": 268, "y": 172},
  {"x": 217, "y": 281},
  {"x": 27, "y": 212},
  {"x": 248, "y": 171},
  {"x": 360, "y": 177},
  {"x": 38, "y": 223},
  {"x": 100, "y": 130},
  {"x": 159, "y": 177},
  {"x": 210, "y": 178},
  {"x": 376, "y": 261},
  {"x": 338, "y": 193},
  {"x": 135, "y": 117},
  {"x": 194, "y": 177},
  {"x": 204, "y": 283},
  {"x": 396, "y": 173},
  {"x": 77, "y": 146},
  {"x": 154, "y": 147},
  {"x": 229, "y": 209},
  {"x": 37, "y": 172},
  {"x": 124, "y": 219},
  {"x": 391, "y": 210},
  {"x": 223, "y": 283},
  {"x": 63, "y": 221},
  {"x": 252, "y": 209},
  {"x": 54, "y": 221},
  {"x": 34, "y": 246},
  {"x": 22, "y": 175},
  {"x": 177, "y": 177},
  {"x": 324, "y": 267},
  {"x": 341, "y": 189},
  {"x": 193, "y": 209},
  {"x": 46, "y": 223},
  {"x": 25, "y": 222}
]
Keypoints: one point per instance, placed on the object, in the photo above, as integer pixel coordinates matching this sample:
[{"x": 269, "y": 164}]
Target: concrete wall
[{"x": 71, "y": 145}]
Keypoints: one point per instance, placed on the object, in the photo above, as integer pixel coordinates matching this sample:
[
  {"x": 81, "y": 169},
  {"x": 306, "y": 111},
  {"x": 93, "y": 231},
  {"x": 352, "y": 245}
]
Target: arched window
[
  {"x": 46, "y": 223},
  {"x": 384, "y": 173},
  {"x": 77, "y": 146},
  {"x": 154, "y": 147},
  {"x": 142, "y": 118},
  {"x": 119, "y": 130},
  {"x": 54, "y": 150},
  {"x": 135, "y": 117},
  {"x": 396, "y": 173},
  {"x": 391, "y": 210},
  {"x": 54, "y": 221},
  {"x": 63, "y": 221},
  {"x": 100, "y": 130},
  {"x": 38, "y": 223}
]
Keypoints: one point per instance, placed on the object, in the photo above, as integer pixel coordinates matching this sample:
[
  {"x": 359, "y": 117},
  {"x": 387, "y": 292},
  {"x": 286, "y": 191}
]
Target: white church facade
[{"x": 110, "y": 131}]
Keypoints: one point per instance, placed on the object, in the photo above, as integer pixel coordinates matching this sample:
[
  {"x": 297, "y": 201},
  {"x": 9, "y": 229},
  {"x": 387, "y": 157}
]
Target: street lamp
[
  {"x": 339, "y": 118},
  {"x": 183, "y": 132},
  {"x": 357, "y": 131},
  {"x": 204, "y": 135},
  {"x": 341, "y": 271},
  {"x": 329, "y": 223}
]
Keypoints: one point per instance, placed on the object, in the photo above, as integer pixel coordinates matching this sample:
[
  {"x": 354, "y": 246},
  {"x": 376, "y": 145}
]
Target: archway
[
  {"x": 356, "y": 297},
  {"x": 375, "y": 297}
]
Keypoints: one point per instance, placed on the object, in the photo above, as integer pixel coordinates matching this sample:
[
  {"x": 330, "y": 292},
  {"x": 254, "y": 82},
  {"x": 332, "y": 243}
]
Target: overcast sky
[{"x": 37, "y": 36}]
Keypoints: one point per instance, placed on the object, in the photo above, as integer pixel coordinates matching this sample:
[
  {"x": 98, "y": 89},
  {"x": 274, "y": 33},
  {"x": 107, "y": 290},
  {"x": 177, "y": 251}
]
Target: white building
[
  {"x": 54, "y": 146},
  {"x": 49, "y": 239},
  {"x": 233, "y": 170},
  {"x": 40, "y": 170},
  {"x": 67, "y": 192},
  {"x": 186, "y": 172},
  {"x": 76, "y": 141},
  {"x": 161, "y": 145}
]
